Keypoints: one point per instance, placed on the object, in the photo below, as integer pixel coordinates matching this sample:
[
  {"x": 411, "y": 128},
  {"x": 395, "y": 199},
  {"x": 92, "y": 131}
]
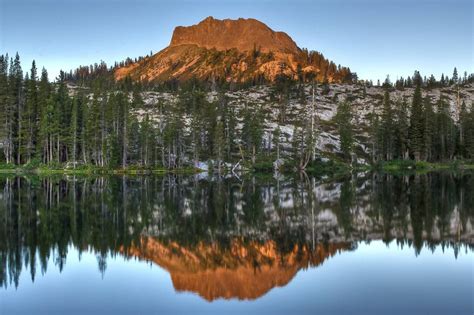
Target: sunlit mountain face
[
  {"x": 239, "y": 269},
  {"x": 242, "y": 50},
  {"x": 225, "y": 238}
]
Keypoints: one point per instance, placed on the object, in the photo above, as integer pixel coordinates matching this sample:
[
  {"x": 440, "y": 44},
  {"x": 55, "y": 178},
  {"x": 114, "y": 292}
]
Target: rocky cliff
[
  {"x": 241, "y": 34},
  {"x": 232, "y": 51}
]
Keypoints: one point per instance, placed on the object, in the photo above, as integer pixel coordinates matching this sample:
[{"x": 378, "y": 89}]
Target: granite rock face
[
  {"x": 241, "y": 34},
  {"x": 242, "y": 50}
]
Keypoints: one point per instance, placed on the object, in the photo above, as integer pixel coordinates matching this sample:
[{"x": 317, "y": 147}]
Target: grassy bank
[
  {"x": 421, "y": 166},
  {"x": 322, "y": 168},
  {"x": 90, "y": 170}
]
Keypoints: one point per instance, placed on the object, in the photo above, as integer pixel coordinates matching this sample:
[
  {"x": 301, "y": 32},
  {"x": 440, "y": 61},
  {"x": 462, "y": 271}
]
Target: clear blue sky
[{"x": 374, "y": 38}]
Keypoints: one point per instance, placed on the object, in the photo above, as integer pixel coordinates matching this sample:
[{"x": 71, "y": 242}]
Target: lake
[{"x": 367, "y": 244}]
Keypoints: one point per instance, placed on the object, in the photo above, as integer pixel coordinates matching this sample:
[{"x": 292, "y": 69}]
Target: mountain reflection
[
  {"x": 241, "y": 270},
  {"x": 226, "y": 238}
]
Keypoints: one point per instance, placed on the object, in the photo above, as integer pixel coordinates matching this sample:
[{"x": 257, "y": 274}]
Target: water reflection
[{"x": 226, "y": 238}]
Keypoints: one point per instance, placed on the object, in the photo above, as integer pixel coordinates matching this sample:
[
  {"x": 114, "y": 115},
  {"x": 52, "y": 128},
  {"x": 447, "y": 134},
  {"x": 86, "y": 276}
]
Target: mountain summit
[
  {"x": 228, "y": 50},
  {"x": 241, "y": 34}
]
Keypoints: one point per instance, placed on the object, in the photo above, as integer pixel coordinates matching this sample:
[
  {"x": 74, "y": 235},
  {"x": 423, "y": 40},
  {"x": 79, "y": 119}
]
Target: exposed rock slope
[
  {"x": 241, "y": 34},
  {"x": 231, "y": 50},
  {"x": 365, "y": 101}
]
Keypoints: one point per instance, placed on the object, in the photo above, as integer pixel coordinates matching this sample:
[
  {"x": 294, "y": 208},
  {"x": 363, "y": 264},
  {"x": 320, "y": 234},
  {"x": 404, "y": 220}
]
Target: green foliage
[
  {"x": 416, "y": 122},
  {"x": 252, "y": 130},
  {"x": 387, "y": 127},
  {"x": 329, "y": 167},
  {"x": 263, "y": 166},
  {"x": 108, "y": 125},
  {"x": 343, "y": 119}
]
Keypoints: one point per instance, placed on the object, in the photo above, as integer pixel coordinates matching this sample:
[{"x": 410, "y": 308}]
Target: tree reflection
[{"x": 42, "y": 217}]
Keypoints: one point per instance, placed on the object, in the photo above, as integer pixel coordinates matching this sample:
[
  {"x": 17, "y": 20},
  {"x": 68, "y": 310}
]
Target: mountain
[
  {"x": 241, "y": 34},
  {"x": 245, "y": 271},
  {"x": 234, "y": 51}
]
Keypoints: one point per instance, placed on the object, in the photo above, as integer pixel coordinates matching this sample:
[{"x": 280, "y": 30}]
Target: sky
[{"x": 374, "y": 38}]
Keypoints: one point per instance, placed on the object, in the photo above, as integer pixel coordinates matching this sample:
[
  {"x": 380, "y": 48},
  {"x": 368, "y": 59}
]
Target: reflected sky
[{"x": 375, "y": 278}]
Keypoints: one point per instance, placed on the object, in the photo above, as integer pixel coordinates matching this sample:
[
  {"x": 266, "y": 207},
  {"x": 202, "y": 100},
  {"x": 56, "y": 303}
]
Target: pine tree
[
  {"x": 446, "y": 131},
  {"x": 429, "y": 125},
  {"x": 402, "y": 126},
  {"x": 219, "y": 143},
  {"x": 4, "y": 106},
  {"x": 14, "y": 110},
  {"x": 124, "y": 123},
  {"x": 146, "y": 141},
  {"x": 44, "y": 90},
  {"x": 48, "y": 129},
  {"x": 63, "y": 118},
  {"x": 386, "y": 127},
  {"x": 469, "y": 133},
  {"x": 416, "y": 123},
  {"x": 455, "y": 76},
  {"x": 74, "y": 128},
  {"x": 230, "y": 121},
  {"x": 343, "y": 119},
  {"x": 374, "y": 133},
  {"x": 276, "y": 141},
  {"x": 93, "y": 131},
  {"x": 431, "y": 82},
  {"x": 29, "y": 124},
  {"x": 463, "y": 123},
  {"x": 252, "y": 131}
]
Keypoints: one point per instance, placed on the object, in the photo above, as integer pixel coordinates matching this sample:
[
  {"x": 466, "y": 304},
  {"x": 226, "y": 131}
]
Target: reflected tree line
[{"x": 42, "y": 217}]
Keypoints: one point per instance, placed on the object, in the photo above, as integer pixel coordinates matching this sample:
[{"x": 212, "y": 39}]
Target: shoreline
[{"x": 321, "y": 170}]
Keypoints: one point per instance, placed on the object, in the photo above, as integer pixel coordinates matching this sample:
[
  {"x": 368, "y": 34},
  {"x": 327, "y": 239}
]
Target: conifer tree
[
  {"x": 93, "y": 128},
  {"x": 463, "y": 125},
  {"x": 252, "y": 131},
  {"x": 124, "y": 123},
  {"x": 219, "y": 144},
  {"x": 374, "y": 133},
  {"x": 401, "y": 130},
  {"x": 30, "y": 116},
  {"x": 455, "y": 76},
  {"x": 428, "y": 132},
  {"x": 446, "y": 132},
  {"x": 48, "y": 129},
  {"x": 4, "y": 98},
  {"x": 416, "y": 123},
  {"x": 344, "y": 123},
  {"x": 230, "y": 121},
  {"x": 386, "y": 126},
  {"x": 14, "y": 111},
  {"x": 469, "y": 133},
  {"x": 276, "y": 141},
  {"x": 76, "y": 127}
]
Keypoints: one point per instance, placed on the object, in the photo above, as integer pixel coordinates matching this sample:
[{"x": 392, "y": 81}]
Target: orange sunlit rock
[
  {"x": 232, "y": 50},
  {"x": 242, "y": 271}
]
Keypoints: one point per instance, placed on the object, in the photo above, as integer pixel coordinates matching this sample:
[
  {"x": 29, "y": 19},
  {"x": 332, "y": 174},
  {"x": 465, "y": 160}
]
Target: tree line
[
  {"x": 105, "y": 125},
  {"x": 424, "y": 130},
  {"x": 45, "y": 123}
]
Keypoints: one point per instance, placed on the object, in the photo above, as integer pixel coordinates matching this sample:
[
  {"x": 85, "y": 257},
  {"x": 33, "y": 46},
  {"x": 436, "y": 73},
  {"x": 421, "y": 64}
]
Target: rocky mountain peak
[
  {"x": 242, "y": 50},
  {"x": 242, "y": 34}
]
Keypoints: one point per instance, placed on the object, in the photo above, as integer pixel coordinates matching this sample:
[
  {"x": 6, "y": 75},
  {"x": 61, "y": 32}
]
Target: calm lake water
[{"x": 370, "y": 244}]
